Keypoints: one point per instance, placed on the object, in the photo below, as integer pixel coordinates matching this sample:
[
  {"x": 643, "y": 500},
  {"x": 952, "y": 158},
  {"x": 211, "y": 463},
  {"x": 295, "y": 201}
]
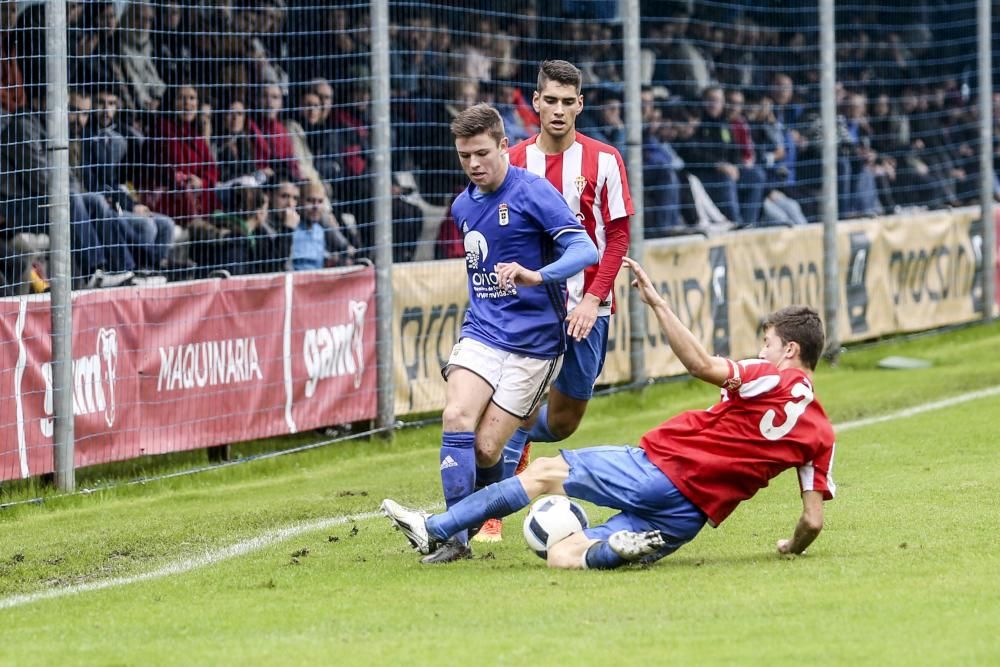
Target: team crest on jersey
[
  {"x": 504, "y": 215},
  {"x": 580, "y": 183}
]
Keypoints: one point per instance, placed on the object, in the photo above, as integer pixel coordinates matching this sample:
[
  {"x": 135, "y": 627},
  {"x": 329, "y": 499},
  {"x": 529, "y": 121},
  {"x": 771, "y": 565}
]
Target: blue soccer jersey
[{"x": 518, "y": 222}]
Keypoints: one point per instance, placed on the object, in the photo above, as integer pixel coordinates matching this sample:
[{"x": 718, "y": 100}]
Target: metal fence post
[
  {"x": 633, "y": 161},
  {"x": 828, "y": 110},
  {"x": 382, "y": 169},
  {"x": 57, "y": 131},
  {"x": 986, "y": 158}
]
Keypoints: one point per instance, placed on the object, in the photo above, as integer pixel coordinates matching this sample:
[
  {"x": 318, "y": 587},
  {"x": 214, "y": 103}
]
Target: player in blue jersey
[{"x": 521, "y": 244}]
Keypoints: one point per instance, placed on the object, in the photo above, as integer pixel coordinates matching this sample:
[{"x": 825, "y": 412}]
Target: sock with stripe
[
  {"x": 512, "y": 452},
  {"x": 600, "y": 557},
  {"x": 494, "y": 502},
  {"x": 458, "y": 469}
]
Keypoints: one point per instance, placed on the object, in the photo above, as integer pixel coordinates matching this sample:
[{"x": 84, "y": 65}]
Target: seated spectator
[
  {"x": 713, "y": 157},
  {"x": 137, "y": 55},
  {"x": 751, "y": 173},
  {"x": 100, "y": 255},
  {"x": 239, "y": 148},
  {"x": 95, "y": 156},
  {"x": 610, "y": 126},
  {"x": 280, "y": 150},
  {"x": 319, "y": 240},
  {"x": 95, "y": 45},
  {"x": 244, "y": 242},
  {"x": 181, "y": 146},
  {"x": 661, "y": 178},
  {"x": 172, "y": 49},
  {"x": 12, "y": 98},
  {"x": 316, "y": 147},
  {"x": 867, "y": 181}
]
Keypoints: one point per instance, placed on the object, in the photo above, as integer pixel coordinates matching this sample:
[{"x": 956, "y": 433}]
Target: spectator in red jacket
[
  {"x": 183, "y": 143},
  {"x": 281, "y": 150}
]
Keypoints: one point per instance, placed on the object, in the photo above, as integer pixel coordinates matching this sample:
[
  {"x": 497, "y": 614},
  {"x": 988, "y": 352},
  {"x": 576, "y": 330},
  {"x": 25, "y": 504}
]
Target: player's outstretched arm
[
  {"x": 688, "y": 349},
  {"x": 809, "y": 526}
]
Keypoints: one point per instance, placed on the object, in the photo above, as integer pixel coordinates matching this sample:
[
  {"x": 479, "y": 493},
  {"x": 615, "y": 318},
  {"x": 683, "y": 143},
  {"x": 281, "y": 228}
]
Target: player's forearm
[
  {"x": 616, "y": 246},
  {"x": 578, "y": 252},
  {"x": 806, "y": 532},
  {"x": 688, "y": 349}
]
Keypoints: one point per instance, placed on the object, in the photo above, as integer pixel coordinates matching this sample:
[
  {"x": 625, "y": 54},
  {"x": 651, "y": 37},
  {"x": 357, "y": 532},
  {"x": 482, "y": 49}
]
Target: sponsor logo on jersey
[
  {"x": 485, "y": 282},
  {"x": 476, "y": 250},
  {"x": 93, "y": 382},
  {"x": 208, "y": 364},
  {"x": 504, "y": 215},
  {"x": 337, "y": 350}
]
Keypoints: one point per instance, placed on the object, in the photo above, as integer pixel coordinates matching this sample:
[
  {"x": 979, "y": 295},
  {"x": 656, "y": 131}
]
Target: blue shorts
[
  {"x": 624, "y": 479},
  {"x": 583, "y": 362}
]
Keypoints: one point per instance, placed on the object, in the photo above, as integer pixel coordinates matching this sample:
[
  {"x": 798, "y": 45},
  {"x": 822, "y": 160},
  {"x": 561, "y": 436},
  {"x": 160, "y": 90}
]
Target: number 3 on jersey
[{"x": 793, "y": 410}]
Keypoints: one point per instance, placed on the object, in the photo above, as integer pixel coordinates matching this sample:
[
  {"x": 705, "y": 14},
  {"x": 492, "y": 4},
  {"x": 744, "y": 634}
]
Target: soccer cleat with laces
[
  {"x": 634, "y": 546},
  {"x": 413, "y": 523},
  {"x": 491, "y": 531},
  {"x": 449, "y": 551}
]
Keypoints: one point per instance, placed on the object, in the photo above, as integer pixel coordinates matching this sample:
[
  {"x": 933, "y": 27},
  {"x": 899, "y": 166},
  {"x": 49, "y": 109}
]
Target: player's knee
[
  {"x": 457, "y": 418},
  {"x": 486, "y": 456},
  {"x": 563, "y": 423},
  {"x": 545, "y": 475},
  {"x": 565, "y": 427}
]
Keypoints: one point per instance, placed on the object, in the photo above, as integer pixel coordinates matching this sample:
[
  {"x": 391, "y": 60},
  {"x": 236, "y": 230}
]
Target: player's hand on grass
[
  {"x": 581, "y": 319},
  {"x": 647, "y": 292},
  {"x": 512, "y": 274}
]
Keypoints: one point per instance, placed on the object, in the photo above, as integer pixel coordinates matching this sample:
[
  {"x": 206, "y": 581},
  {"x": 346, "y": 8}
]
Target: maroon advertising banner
[{"x": 190, "y": 365}]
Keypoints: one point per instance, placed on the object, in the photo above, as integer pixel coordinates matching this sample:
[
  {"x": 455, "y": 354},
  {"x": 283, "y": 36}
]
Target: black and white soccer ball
[{"x": 552, "y": 519}]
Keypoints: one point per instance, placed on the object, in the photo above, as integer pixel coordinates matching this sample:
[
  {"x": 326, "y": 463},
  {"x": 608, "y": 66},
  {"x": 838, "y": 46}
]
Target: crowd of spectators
[{"x": 233, "y": 137}]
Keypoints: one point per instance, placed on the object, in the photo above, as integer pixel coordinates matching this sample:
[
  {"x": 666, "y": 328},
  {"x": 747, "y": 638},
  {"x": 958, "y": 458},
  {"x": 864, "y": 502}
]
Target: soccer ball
[{"x": 551, "y": 520}]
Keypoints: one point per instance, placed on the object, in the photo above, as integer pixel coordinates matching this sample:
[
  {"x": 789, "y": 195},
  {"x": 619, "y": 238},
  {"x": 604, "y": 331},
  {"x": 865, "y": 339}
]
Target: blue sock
[
  {"x": 491, "y": 475},
  {"x": 540, "y": 431},
  {"x": 493, "y": 502},
  {"x": 600, "y": 557},
  {"x": 512, "y": 452},
  {"x": 458, "y": 468}
]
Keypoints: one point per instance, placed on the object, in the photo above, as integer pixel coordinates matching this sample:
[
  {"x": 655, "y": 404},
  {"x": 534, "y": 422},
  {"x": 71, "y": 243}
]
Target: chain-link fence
[{"x": 222, "y": 176}]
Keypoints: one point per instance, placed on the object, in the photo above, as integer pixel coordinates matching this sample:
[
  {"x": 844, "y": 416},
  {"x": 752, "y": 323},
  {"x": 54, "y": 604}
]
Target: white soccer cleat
[
  {"x": 634, "y": 546},
  {"x": 413, "y": 523}
]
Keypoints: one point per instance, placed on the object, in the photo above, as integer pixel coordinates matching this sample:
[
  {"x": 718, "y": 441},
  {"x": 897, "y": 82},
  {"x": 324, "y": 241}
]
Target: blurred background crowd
[{"x": 232, "y": 137}]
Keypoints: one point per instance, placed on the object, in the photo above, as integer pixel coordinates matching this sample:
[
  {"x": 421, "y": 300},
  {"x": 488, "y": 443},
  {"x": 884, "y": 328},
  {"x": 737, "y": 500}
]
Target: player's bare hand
[
  {"x": 581, "y": 319},
  {"x": 512, "y": 274},
  {"x": 647, "y": 292}
]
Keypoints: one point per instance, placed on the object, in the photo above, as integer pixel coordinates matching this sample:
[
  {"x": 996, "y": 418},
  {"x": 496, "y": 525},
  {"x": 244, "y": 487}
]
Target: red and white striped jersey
[
  {"x": 768, "y": 421},
  {"x": 591, "y": 177}
]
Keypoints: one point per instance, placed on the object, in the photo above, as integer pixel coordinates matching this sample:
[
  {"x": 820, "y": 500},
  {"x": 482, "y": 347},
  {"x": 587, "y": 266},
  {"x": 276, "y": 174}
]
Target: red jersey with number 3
[
  {"x": 767, "y": 422},
  {"x": 591, "y": 177}
]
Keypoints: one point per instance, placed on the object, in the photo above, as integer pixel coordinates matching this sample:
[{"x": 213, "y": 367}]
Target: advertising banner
[{"x": 190, "y": 365}]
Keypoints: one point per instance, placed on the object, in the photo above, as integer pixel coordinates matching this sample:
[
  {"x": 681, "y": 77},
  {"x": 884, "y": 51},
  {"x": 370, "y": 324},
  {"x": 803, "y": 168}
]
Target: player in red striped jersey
[{"x": 591, "y": 177}]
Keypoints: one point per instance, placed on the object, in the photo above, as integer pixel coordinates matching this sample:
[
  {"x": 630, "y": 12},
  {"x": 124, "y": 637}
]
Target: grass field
[{"x": 906, "y": 571}]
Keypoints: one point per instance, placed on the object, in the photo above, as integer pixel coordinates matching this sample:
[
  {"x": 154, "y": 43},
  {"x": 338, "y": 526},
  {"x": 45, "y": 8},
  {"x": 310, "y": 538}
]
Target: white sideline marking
[
  {"x": 180, "y": 567},
  {"x": 274, "y": 536},
  {"x": 918, "y": 409}
]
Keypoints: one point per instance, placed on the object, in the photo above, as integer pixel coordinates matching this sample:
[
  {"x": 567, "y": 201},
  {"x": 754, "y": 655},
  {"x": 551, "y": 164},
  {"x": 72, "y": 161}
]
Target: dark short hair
[
  {"x": 477, "y": 120},
  {"x": 560, "y": 71},
  {"x": 802, "y": 325}
]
